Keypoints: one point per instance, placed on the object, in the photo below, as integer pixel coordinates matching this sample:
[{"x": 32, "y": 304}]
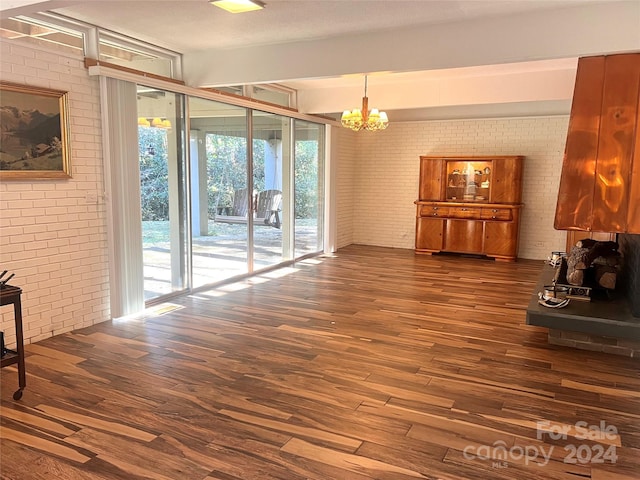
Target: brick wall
[
  {"x": 53, "y": 233},
  {"x": 345, "y": 179},
  {"x": 386, "y": 166},
  {"x": 595, "y": 343}
]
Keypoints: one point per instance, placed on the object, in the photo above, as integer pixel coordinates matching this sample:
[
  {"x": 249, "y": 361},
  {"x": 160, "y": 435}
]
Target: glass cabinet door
[{"x": 468, "y": 181}]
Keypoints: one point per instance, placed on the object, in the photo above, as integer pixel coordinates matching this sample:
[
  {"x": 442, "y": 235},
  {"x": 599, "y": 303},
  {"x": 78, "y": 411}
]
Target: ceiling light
[
  {"x": 238, "y": 6},
  {"x": 357, "y": 119},
  {"x": 156, "y": 122}
]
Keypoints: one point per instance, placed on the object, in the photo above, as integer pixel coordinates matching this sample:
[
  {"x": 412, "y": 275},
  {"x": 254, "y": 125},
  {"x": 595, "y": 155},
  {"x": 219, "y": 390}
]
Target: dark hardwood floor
[{"x": 372, "y": 363}]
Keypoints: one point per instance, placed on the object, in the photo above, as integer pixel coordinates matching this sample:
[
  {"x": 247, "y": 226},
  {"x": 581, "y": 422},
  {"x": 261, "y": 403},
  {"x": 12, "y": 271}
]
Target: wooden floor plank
[
  {"x": 42, "y": 444},
  {"x": 346, "y": 461}
]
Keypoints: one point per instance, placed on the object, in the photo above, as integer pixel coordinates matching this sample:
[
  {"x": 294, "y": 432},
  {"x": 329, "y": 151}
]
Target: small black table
[{"x": 11, "y": 295}]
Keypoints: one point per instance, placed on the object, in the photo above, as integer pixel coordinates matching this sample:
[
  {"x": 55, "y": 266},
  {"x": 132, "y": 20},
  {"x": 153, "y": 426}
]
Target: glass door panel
[
  {"x": 271, "y": 189},
  {"x": 162, "y": 190},
  {"x": 220, "y": 202},
  {"x": 308, "y": 187}
]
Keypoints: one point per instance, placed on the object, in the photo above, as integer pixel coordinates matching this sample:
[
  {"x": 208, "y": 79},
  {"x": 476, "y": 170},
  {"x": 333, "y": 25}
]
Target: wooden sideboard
[{"x": 469, "y": 205}]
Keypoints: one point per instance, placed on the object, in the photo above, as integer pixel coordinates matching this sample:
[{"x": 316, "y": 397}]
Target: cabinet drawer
[
  {"x": 496, "y": 214},
  {"x": 433, "y": 211},
  {"x": 465, "y": 212}
]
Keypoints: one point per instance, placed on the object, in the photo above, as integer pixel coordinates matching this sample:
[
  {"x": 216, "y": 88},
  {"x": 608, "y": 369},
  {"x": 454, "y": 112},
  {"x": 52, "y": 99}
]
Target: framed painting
[{"x": 34, "y": 133}]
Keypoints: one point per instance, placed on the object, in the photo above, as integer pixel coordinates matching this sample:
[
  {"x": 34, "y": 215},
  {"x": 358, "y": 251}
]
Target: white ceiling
[{"x": 190, "y": 26}]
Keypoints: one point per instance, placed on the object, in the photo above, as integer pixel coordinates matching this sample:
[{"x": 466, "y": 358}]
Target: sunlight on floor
[
  {"x": 150, "y": 312},
  {"x": 257, "y": 279}
]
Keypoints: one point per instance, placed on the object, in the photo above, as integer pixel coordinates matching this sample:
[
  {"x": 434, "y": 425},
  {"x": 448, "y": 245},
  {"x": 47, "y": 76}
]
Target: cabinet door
[
  {"x": 429, "y": 233},
  {"x": 431, "y": 171},
  {"x": 506, "y": 177},
  {"x": 501, "y": 239},
  {"x": 463, "y": 236}
]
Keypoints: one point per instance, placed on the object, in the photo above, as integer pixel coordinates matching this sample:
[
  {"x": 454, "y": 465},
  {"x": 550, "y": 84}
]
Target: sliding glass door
[
  {"x": 308, "y": 187},
  {"x": 271, "y": 189},
  {"x": 162, "y": 191},
  {"x": 245, "y": 196},
  {"x": 221, "y": 202}
]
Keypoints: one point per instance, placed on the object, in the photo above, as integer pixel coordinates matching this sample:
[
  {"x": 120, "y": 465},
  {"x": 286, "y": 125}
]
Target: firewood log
[
  {"x": 602, "y": 249},
  {"x": 575, "y": 276},
  {"x": 561, "y": 272},
  {"x": 611, "y": 260},
  {"x": 598, "y": 249},
  {"x": 606, "y": 276},
  {"x": 588, "y": 252},
  {"x": 576, "y": 257},
  {"x": 586, "y": 243}
]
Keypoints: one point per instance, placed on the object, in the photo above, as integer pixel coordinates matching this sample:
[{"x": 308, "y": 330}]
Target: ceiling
[{"x": 192, "y": 26}]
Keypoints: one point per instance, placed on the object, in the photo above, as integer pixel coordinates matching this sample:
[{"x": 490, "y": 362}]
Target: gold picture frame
[{"x": 34, "y": 139}]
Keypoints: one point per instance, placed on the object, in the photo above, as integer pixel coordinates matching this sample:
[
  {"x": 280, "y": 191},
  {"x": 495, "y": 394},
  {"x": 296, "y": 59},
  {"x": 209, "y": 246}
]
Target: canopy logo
[{"x": 601, "y": 447}]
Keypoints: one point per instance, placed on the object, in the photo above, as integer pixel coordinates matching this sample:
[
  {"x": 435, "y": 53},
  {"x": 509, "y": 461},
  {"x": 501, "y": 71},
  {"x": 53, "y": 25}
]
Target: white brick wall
[
  {"x": 53, "y": 232},
  {"x": 345, "y": 194},
  {"x": 384, "y": 167}
]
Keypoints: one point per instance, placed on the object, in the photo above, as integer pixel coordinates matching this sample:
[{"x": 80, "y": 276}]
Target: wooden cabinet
[{"x": 469, "y": 205}]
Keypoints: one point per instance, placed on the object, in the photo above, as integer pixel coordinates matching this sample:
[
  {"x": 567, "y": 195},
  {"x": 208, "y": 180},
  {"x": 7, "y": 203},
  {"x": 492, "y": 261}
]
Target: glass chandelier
[{"x": 357, "y": 119}]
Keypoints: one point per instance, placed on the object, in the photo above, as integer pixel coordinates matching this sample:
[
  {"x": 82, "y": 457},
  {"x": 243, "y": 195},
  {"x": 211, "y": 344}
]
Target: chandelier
[
  {"x": 357, "y": 119},
  {"x": 154, "y": 122}
]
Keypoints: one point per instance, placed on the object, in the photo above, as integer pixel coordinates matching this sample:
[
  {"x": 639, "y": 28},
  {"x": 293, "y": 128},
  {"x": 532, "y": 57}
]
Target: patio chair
[
  {"x": 268, "y": 206},
  {"x": 239, "y": 210}
]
